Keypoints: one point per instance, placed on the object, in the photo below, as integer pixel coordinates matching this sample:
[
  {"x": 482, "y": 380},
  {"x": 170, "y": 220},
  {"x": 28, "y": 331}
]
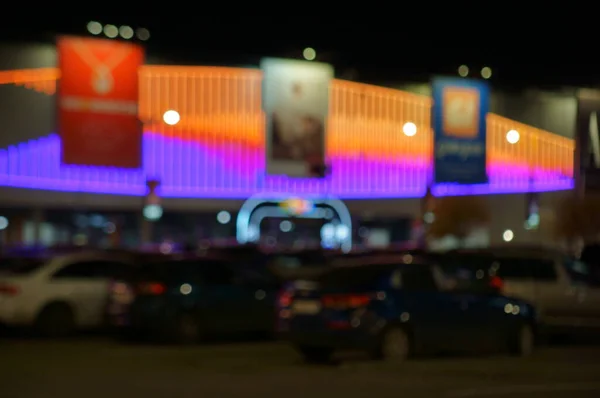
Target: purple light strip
[{"x": 190, "y": 170}]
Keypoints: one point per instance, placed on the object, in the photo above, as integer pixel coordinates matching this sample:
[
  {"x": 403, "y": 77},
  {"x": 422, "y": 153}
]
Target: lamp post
[
  {"x": 151, "y": 211},
  {"x": 427, "y": 216}
]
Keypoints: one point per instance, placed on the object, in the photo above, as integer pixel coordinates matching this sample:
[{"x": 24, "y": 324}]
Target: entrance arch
[{"x": 258, "y": 207}]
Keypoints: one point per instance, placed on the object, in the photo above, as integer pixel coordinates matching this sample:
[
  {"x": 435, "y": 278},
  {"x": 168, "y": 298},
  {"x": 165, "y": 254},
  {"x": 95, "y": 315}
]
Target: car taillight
[
  {"x": 8, "y": 290},
  {"x": 496, "y": 282},
  {"x": 342, "y": 301},
  {"x": 151, "y": 288},
  {"x": 285, "y": 299}
]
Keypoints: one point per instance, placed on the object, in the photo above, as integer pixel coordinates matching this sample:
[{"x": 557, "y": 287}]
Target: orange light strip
[
  {"x": 218, "y": 103},
  {"x": 223, "y": 104},
  {"x": 22, "y": 76},
  {"x": 39, "y": 79}
]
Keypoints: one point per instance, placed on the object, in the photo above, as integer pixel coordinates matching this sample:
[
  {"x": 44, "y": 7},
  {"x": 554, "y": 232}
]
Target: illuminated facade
[{"x": 217, "y": 150}]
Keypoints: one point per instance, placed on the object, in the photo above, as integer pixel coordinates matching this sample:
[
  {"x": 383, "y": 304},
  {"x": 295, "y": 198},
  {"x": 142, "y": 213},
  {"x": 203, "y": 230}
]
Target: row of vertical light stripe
[{"x": 365, "y": 119}]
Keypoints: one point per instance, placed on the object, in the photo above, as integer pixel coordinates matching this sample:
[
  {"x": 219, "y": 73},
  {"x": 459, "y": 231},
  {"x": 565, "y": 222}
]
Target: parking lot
[{"x": 102, "y": 368}]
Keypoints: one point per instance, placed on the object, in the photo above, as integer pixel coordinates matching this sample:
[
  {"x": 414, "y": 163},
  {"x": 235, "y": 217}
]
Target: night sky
[{"x": 373, "y": 50}]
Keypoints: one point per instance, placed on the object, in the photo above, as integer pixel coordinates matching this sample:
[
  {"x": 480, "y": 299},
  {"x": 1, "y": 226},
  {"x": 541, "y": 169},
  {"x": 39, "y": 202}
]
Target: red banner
[{"x": 97, "y": 102}]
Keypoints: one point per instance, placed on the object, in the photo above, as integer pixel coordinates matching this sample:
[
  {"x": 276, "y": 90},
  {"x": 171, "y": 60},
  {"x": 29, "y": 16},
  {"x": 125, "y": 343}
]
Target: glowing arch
[{"x": 246, "y": 219}]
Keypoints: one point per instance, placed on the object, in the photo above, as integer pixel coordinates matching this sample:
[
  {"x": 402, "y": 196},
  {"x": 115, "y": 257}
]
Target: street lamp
[
  {"x": 513, "y": 136},
  {"x": 171, "y": 117},
  {"x": 95, "y": 28},
  {"x": 486, "y": 72},
  {"x": 409, "y": 129},
  {"x": 309, "y": 54},
  {"x": 111, "y": 31},
  {"x": 126, "y": 32}
]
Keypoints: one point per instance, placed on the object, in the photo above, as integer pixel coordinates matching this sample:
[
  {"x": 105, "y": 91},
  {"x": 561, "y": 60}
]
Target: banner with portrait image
[
  {"x": 460, "y": 107},
  {"x": 295, "y": 99},
  {"x": 97, "y": 102}
]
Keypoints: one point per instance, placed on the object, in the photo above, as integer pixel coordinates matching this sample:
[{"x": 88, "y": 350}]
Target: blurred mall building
[{"x": 213, "y": 159}]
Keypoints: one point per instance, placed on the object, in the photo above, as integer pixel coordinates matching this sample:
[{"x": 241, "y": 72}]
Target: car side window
[
  {"x": 418, "y": 280},
  {"x": 468, "y": 276},
  {"x": 113, "y": 270},
  {"x": 252, "y": 276},
  {"x": 512, "y": 268},
  {"x": 544, "y": 270},
  {"x": 80, "y": 270}
]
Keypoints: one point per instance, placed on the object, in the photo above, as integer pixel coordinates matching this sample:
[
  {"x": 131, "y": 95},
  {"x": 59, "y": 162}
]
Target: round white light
[
  {"x": 463, "y": 71},
  {"x": 185, "y": 289},
  {"x": 309, "y": 54},
  {"x": 486, "y": 72},
  {"x": 508, "y": 235},
  {"x": 126, "y": 32},
  {"x": 94, "y": 27},
  {"x": 153, "y": 212},
  {"x": 110, "y": 228},
  {"x": 328, "y": 232},
  {"x": 429, "y": 217},
  {"x": 223, "y": 217},
  {"x": 111, "y": 31},
  {"x": 342, "y": 232},
  {"x": 409, "y": 129},
  {"x": 142, "y": 34},
  {"x": 286, "y": 226},
  {"x": 513, "y": 136},
  {"x": 3, "y": 223},
  {"x": 171, "y": 117}
]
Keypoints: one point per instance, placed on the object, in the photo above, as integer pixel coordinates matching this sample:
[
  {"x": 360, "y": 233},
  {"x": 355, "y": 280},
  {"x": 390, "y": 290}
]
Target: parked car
[
  {"x": 59, "y": 294},
  {"x": 590, "y": 255},
  {"x": 557, "y": 284},
  {"x": 188, "y": 299},
  {"x": 397, "y": 306}
]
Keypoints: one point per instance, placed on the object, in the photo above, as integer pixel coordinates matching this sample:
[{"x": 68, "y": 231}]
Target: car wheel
[
  {"x": 187, "y": 329},
  {"x": 394, "y": 345},
  {"x": 522, "y": 341},
  {"x": 315, "y": 354},
  {"x": 56, "y": 320}
]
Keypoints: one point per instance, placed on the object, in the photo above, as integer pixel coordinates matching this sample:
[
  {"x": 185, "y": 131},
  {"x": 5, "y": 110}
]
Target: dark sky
[{"x": 380, "y": 51}]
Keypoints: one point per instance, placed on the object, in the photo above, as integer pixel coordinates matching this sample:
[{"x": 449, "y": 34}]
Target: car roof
[
  {"x": 524, "y": 251},
  {"x": 381, "y": 259}
]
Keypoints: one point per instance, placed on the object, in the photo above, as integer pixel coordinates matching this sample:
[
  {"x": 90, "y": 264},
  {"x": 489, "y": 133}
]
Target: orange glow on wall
[
  {"x": 217, "y": 104},
  {"x": 366, "y": 120},
  {"x": 535, "y": 148}
]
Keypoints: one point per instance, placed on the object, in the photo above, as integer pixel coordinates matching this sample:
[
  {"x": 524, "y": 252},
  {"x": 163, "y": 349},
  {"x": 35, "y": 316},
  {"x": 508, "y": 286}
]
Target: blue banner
[{"x": 459, "y": 114}]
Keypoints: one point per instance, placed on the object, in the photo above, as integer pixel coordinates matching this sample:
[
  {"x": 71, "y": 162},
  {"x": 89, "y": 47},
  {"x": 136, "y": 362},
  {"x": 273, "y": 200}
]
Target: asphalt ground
[{"x": 95, "y": 367}]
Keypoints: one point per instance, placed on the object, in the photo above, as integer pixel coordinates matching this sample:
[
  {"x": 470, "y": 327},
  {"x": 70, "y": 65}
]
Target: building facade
[{"x": 213, "y": 159}]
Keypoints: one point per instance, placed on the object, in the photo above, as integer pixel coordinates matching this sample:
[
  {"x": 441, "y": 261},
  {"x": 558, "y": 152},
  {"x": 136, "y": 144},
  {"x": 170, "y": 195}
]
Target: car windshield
[
  {"x": 463, "y": 274},
  {"x": 20, "y": 265},
  {"x": 163, "y": 269}
]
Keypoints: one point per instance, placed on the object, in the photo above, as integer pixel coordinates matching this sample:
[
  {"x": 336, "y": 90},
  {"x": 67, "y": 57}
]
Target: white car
[
  {"x": 59, "y": 294},
  {"x": 559, "y": 286}
]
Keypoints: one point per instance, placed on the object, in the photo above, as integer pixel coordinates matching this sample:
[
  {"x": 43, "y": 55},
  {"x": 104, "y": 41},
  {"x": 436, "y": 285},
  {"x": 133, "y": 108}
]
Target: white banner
[{"x": 295, "y": 98}]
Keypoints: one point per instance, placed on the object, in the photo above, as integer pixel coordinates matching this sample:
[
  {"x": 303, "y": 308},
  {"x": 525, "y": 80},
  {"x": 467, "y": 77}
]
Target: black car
[{"x": 185, "y": 300}]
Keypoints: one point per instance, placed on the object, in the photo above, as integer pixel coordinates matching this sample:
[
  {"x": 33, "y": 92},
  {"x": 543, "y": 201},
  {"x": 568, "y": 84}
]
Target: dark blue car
[{"x": 397, "y": 307}]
